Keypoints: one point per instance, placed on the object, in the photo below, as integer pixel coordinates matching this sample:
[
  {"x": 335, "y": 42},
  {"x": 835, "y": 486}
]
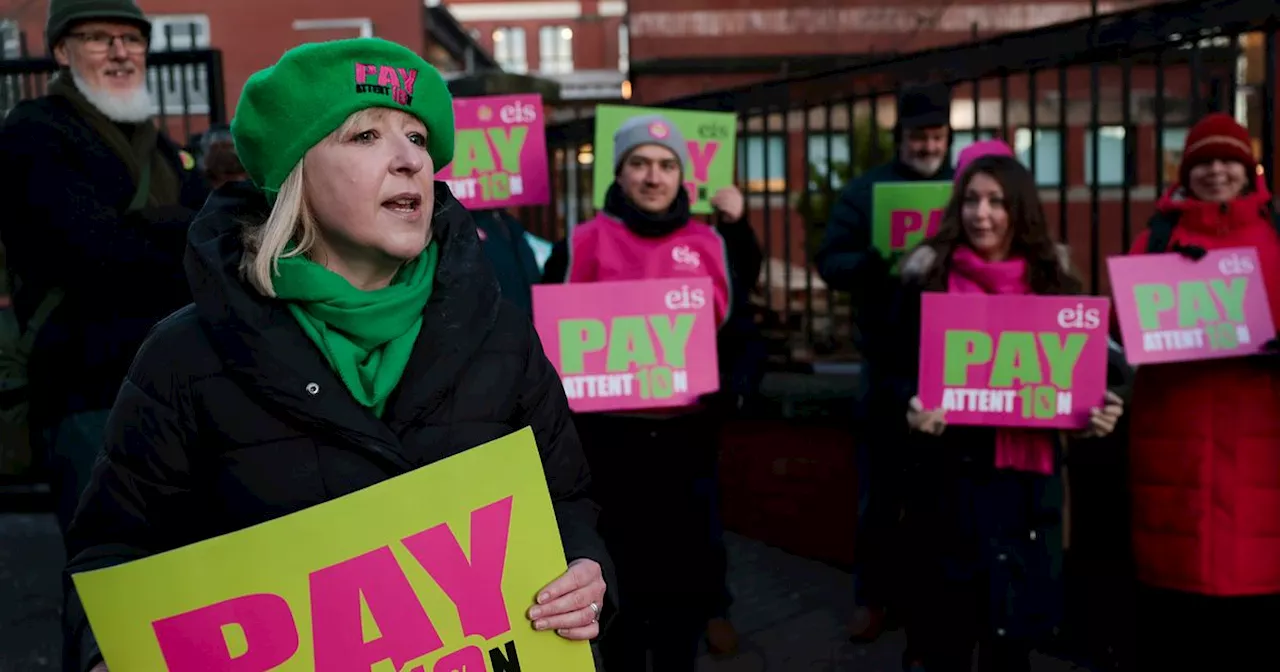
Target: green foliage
[{"x": 815, "y": 206}]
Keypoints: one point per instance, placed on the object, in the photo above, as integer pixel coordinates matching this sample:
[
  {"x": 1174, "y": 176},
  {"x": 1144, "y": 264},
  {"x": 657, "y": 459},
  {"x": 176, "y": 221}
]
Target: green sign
[
  {"x": 905, "y": 213},
  {"x": 712, "y": 138}
]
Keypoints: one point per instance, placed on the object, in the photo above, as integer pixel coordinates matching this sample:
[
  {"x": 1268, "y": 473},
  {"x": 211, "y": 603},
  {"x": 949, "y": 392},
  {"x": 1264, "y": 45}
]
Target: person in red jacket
[{"x": 1205, "y": 439}]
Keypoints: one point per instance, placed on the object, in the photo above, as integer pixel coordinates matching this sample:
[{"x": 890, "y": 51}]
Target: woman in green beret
[{"x": 346, "y": 329}]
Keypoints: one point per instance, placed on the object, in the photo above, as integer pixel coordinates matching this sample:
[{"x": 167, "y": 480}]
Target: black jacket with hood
[{"x": 220, "y": 425}]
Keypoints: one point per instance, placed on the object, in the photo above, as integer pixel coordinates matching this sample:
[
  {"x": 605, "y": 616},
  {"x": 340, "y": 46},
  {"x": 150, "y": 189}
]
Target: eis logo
[
  {"x": 396, "y": 83},
  {"x": 685, "y": 257}
]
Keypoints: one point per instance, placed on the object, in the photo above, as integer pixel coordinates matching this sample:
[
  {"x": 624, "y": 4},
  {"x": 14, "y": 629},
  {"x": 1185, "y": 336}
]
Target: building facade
[{"x": 582, "y": 45}]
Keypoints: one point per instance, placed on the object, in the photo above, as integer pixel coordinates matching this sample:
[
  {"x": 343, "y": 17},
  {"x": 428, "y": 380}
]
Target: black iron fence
[
  {"x": 1098, "y": 108},
  {"x": 185, "y": 81}
]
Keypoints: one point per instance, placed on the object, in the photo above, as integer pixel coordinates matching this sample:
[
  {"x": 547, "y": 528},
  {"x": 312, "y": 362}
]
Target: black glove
[
  {"x": 1192, "y": 252},
  {"x": 1271, "y": 347}
]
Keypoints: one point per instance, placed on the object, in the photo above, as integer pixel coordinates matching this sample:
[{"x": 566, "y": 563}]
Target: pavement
[{"x": 789, "y": 611}]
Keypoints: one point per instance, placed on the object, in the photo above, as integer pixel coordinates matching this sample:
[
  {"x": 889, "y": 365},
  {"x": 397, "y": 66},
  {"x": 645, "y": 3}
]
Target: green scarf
[{"x": 366, "y": 336}]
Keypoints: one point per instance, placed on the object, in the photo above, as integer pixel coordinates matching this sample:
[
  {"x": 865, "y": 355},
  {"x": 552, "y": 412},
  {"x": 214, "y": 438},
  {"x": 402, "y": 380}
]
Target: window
[
  {"x": 10, "y": 39},
  {"x": 1048, "y": 168},
  {"x": 1171, "y": 153},
  {"x": 1113, "y": 164},
  {"x": 179, "y": 32},
  {"x": 752, "y": 167},
  {"x": 509, "y": 50},
  {"x": 962, "y": 139},
  {"x": 823, "y": 167},
  {"x": 624, "y": 49},
  {"x": 555, "y": 49},
  {"x": 179, "y": 89}
]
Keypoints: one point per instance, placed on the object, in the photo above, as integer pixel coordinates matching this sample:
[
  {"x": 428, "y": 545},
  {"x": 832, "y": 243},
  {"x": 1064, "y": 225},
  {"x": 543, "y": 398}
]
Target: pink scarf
[{"x": 1019, "y": 449}]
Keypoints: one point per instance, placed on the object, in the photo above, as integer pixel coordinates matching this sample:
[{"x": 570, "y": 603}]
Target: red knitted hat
[{"x": 1217, "y": 136}]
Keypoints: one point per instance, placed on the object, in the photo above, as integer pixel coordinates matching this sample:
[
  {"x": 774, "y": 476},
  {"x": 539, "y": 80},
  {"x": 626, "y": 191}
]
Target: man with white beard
[
  {"x": 847, "y": 262},
  {"x": 97, "y": 207}
]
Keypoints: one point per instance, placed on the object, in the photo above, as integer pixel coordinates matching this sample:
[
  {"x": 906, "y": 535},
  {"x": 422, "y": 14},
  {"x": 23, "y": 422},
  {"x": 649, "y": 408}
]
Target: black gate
[{"x": 1098, "y": 108}]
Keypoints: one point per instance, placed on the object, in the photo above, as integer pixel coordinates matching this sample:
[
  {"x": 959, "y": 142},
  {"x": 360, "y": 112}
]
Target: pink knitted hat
[{"x": 978, "y": 150}]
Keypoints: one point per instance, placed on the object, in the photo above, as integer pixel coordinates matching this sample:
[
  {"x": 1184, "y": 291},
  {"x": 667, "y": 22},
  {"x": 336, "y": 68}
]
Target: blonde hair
[{"x": 290, "y": 220}]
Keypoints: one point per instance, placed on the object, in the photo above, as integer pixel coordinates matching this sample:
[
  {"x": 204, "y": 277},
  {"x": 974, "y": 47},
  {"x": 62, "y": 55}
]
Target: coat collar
[{"x": 266, "y": 352}]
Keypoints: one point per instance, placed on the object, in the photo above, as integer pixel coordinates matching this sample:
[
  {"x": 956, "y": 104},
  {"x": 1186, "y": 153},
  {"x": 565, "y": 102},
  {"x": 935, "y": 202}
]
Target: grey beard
[{"x": 130, "y": 108}]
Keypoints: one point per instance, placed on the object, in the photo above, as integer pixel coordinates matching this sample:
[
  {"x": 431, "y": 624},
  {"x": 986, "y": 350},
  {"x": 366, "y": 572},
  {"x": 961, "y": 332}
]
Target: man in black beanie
[{"x": 848, "y": 262}]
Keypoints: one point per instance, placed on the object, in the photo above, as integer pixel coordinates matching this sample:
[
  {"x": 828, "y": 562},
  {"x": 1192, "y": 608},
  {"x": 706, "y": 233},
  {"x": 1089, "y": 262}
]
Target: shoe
[
  {"x": 867, "y": 625},
  {"x": 722, "y": 638}
]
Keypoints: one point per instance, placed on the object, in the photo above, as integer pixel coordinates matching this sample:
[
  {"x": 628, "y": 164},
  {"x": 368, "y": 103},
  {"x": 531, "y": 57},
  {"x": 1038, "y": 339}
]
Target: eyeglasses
[{"x": 100, "y": 43}]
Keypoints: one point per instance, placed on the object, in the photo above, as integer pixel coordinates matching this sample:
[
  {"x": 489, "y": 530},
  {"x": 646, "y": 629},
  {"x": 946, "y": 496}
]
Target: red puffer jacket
[{"x": 1205, "y": 436}]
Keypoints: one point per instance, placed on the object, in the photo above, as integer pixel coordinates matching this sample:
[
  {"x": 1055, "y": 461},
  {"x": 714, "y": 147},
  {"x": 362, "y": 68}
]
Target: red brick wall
[{"x": 595, "y": 41}]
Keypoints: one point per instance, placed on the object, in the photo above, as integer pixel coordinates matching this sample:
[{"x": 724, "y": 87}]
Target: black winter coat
[
  {"x": 64, "y": 225},
  {"x": 220, "y": 425}
]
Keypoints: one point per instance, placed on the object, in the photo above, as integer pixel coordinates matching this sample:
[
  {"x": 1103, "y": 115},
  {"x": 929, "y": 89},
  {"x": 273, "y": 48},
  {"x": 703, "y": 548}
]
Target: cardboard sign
[
  {"x": 1013, "y": 361},
  {"x": 904, "y": 214},
  {"x": 433, "y": 570},
  {"x": 711, "y": 136},
  {"x": 630, "y": 345},
  {"x": 500, "y": 152},
  {"x": 1174, "y": 309}
]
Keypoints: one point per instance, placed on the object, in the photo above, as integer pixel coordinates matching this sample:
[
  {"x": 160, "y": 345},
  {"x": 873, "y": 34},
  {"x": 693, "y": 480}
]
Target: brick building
[
  {"x": 581, "y": 45},
  {"x": 679, "y": 51}
]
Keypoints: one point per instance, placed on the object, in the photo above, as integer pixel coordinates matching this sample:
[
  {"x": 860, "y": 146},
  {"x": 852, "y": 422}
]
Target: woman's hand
[
  {"x": 730, "y": 203},
  {"x": 100, "y": 667},
  {"x": 1102, "y": 421},
  {"x": 571, "y": 604},
  {"x": 927, "y": 422}
]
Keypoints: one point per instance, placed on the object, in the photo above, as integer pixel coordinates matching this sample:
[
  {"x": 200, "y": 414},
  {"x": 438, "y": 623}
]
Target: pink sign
[
  {"x": 1013, "y": 361},
  {"x": 1174, "y": 309},
  {"x": 630, "y": 345},
  {"x": 500, "y": 152}
]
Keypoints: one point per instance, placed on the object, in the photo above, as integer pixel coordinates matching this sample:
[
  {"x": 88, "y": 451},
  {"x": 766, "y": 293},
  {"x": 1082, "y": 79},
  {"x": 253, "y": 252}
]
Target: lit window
[
  {"x": 555, "y": 44},
  {"x": 509, "y": 50}
]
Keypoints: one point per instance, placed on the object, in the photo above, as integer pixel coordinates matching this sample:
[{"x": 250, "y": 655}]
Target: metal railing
[
  {"x": 186, "y": 84},
  {"x": 1098, "y": 108}
]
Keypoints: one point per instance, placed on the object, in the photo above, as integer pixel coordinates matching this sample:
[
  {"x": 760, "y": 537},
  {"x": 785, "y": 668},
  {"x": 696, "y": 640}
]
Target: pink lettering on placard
[
  {"x": 701, "y": 158},
  {"x": 337, "y": 631},
  {"x": 408, "y": 77},
  {"x": 466, "y": 660},
  {"x": 194, "y": 641},
  {"x": 692, "y": 189},
  {"x": 476, "y": 586},
  {"x": 904, "y": 222}
]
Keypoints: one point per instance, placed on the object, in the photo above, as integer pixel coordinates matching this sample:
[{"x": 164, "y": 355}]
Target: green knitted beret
[{"x": 291, "y": 106}]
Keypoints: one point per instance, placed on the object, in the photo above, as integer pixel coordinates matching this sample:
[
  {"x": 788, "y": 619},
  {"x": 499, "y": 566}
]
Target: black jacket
[
  {"x": 511, "y": 256},
  {"x": 217, "y": 428},
  {"x": 65, "y": 192}
]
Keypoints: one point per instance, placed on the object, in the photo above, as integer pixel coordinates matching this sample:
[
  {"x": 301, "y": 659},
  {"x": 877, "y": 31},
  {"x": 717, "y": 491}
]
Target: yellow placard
[{"x": 432, "y": 571}]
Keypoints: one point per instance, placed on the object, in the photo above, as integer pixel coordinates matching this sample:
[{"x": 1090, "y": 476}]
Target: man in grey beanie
[{"x": 656, "y": 472}]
